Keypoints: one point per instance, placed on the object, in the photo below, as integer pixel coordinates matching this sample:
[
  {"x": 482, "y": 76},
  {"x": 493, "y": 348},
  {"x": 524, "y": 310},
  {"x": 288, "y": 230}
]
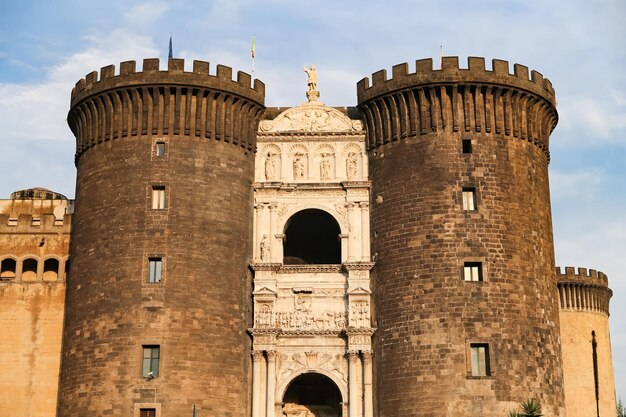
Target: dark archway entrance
[
  {"x": 312, "y": 395},
  {"x": 312, "y": 237}
]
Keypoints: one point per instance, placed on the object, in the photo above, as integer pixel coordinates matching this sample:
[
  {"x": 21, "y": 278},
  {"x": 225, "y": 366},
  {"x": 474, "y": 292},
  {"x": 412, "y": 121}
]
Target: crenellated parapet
[
  {"x": 454, "y": 99},
  {"x": 583, "y": 290},
  {"x": 152, "y": 102}
]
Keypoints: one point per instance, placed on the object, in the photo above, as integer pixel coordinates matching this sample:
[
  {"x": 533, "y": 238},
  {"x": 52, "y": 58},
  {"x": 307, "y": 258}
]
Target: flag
[
  {"x": 170, "y": 55},
  {"x": 252, "y": 48}
]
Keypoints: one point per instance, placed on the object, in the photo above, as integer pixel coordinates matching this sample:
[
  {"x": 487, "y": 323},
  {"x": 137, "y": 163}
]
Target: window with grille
[{"x": 147, "y": 412}]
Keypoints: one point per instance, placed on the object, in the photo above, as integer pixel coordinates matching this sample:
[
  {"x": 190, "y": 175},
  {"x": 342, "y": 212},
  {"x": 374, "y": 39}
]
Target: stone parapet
[
  {"x": 583, "y": 289},
  {"x": 162, "y": 103},
  {"x": 453, "y": 99}
]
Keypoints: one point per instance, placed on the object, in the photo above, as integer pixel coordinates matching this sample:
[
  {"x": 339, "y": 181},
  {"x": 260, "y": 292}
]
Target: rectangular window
[
  {"x": 479, "y": 356},
  {"x": 158, "y": 197},
  {"x": 467, "y": 145},
  {"x": 150, "y": 361},
  {"x": 147, "y": 412},
  {"x": 472, "y": 271},
  {"x": 469, "y": 199},
  {"x": 160, "y": 149},
  {"x": 155, "y": 269}
]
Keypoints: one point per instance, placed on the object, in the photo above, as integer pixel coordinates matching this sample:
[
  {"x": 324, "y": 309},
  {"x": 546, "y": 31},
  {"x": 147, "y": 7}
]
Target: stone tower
[
  {"x": 587, "y": 366},
  {"x": 464, "y": 289},
  {"x": 157, "y": 304}
]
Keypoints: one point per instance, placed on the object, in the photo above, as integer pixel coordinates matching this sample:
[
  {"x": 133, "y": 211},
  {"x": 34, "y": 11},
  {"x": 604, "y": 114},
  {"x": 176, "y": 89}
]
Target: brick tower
[
  {"x": 589, "y": 382},
  {"x": 158, "y": 300},
  {"x": 465, "y": 294}
]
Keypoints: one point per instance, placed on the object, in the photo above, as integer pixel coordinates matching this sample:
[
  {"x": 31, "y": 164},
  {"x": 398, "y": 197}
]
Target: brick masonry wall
[
  {"x": 426, "y": 314},
  {"x": 196, "y": 314},
  {"x": 31, "y": 312}
]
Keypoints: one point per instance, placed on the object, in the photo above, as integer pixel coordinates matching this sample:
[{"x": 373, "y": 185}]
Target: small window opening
[
  {"x": 158, "y": 197},
  {"x": 312, "y": 237},
  {"x": 50, "y": 270},
  {"x": 469, "y": 199},
  {"x": 150, "y": 361},
  {"x": 479, "y": 353},
  {"x": 155, "y": 269},
  {"x": 147, "y": 412},
  {"x": 160, "y": 149},
  {"x": 29, "y": 270},
  {"x": 467, "y": 145},
  {"x": 473, "y": 271},
  {"x": 8, "y": 269}
]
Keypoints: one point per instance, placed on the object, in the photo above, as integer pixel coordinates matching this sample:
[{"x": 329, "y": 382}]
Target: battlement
[
  {"x": 583, "y": 276},
  {"x": 454, "y": 99},
  {"x": 174, "y": 75},
  {"x": 173, "y": 102},
  {"x": 451, "y": 72},
  {"x": 585, "y": 290}
]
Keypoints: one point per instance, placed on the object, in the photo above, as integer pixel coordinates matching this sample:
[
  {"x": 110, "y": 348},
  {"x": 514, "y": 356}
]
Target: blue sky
[{"x": 45, "y": 47}]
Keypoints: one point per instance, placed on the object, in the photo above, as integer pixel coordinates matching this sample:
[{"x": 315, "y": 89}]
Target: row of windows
[
  {"x": 480, "y": 364},
  {"x": 28, "y": 269},
  {"x": 472, "y": 271},
  {"x": 158, "y": 201}
]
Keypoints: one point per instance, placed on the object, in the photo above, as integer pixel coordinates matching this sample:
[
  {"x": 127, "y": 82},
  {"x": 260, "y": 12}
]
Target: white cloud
[
  {"x": 600, "y": 118},
  {"x": 567, "y": 185},
  {"x": 38, "y": 110},
  {"x": 145, "y": 13}
]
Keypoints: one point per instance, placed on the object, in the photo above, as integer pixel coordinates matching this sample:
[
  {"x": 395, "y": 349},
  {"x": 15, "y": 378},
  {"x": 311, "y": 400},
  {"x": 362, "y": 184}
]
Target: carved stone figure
[
  {"x": 264, "y": 316},
  {"x": 298, "y": 166},
  {"x": 351, "y": 165},
  {"x": 312, "y": 77},
  {"x": 265, "y": 249},
  {"x": 325, "y": 167},
  {"x": 270, "y": 166}
]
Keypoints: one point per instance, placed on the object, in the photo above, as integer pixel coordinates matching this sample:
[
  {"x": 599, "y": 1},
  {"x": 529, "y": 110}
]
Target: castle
[{"x": 228, "y": 259}]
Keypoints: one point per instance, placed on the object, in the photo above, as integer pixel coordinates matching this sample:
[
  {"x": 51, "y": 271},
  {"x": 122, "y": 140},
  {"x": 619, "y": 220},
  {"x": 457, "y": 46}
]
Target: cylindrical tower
[
  {"x": 587, "y": 361},
  {"x": 158, "y": 298},
  {"x": 465, "y": 293}
]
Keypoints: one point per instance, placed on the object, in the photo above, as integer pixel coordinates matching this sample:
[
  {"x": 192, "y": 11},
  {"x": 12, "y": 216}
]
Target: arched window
[
  {"x": 29, "y": 269},
  {"x": 312, "y": 237},
  {"x": 8, "y": 268},
  {"x": 312, "y": 393},
  {"x": 50, "y": 269}
]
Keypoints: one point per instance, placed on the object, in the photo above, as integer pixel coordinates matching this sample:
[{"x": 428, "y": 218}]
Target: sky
[{"x": 45, "y": 47}]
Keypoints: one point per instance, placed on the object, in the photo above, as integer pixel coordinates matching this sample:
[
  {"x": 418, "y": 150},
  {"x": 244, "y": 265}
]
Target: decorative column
[
  {"x": 272, "y": 232},
  {"x": 257, "y": 230},
  {"x": 271, "y": 383},
  {"x": 257, "y": 357},
  {"x": 368, "y": 405},
  {"x": 353, "y": 389},
  {"x": 365, "y": 231},
  {"x": 352, "y": 238}
]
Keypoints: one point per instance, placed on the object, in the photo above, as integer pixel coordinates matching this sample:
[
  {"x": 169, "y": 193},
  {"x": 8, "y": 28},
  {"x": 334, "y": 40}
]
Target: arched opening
[
  {"x": 8, "y": 268},
  {"x": 312, "y": 237},
  {"x": 312, "y": 394},
  {"x": 50, "y": 269},
  {"x": 29, "y": 270}
]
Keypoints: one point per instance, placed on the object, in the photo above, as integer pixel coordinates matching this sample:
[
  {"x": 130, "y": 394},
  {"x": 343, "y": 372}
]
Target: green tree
[
  {"x": 621, "y": 412},
  {"x": 529, "y": 408}
]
